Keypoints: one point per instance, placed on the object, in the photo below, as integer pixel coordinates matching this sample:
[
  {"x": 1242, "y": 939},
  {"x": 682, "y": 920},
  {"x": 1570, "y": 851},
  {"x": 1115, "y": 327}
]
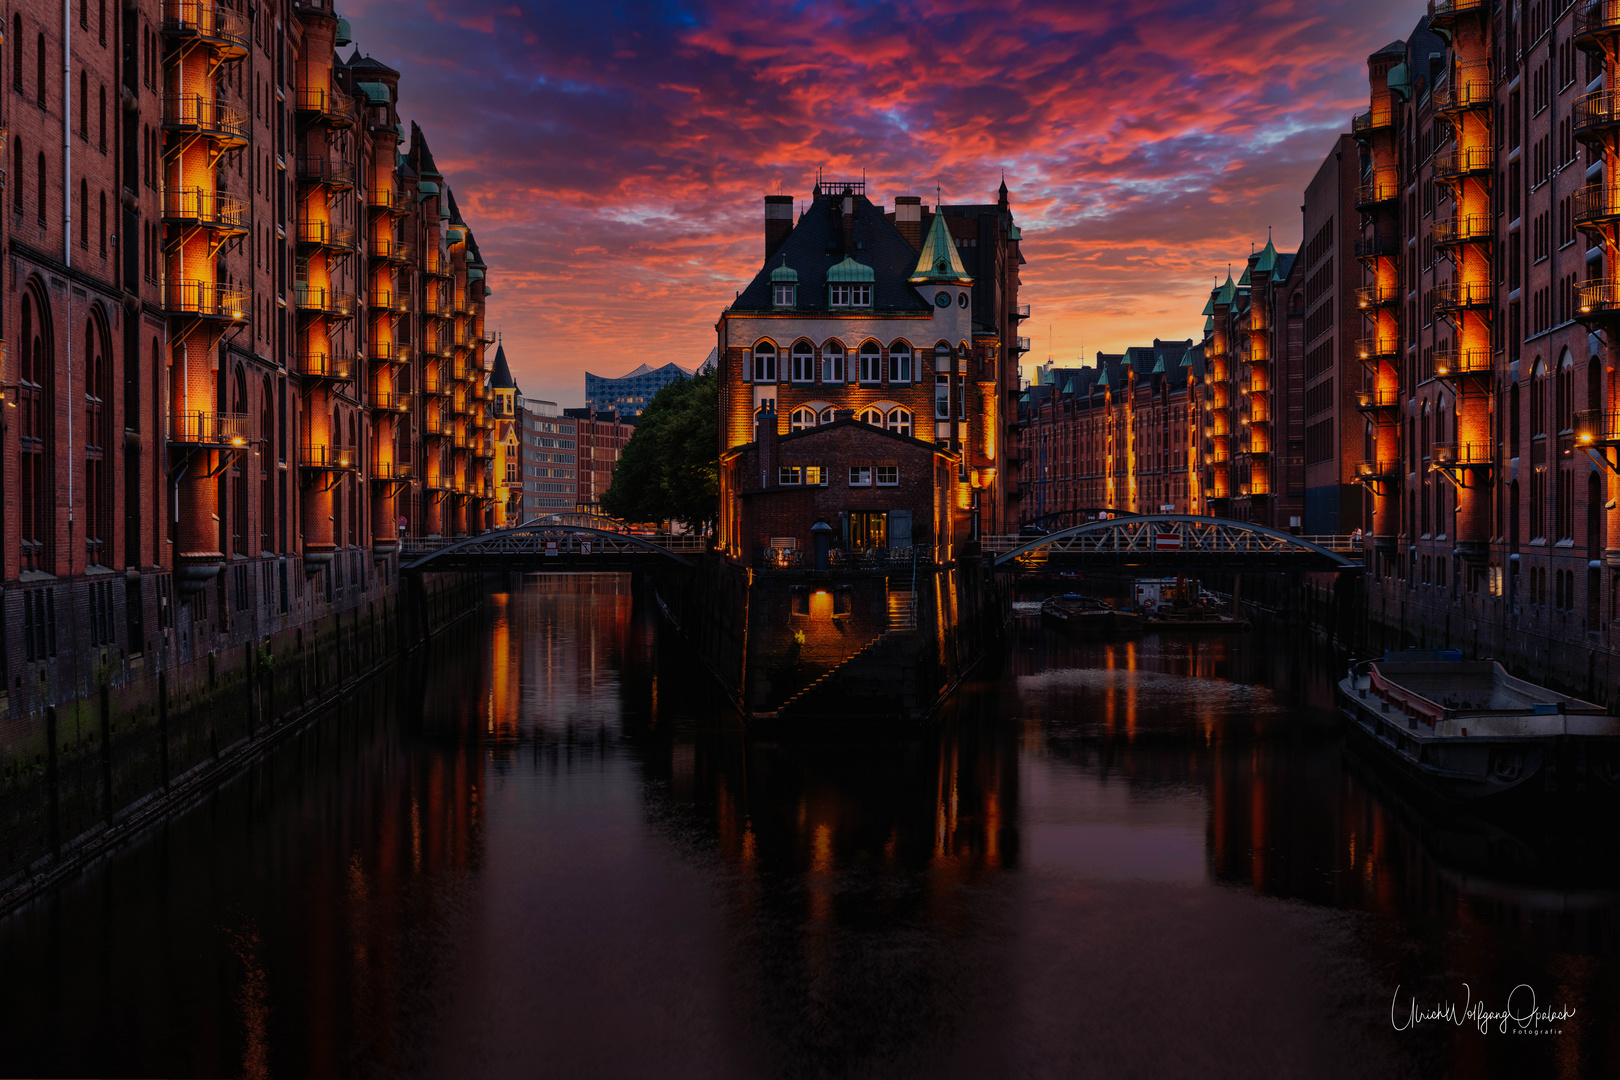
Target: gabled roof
[
  {"x": 1268, "y": 259},
  {"x": 816, "y": 244},
  {"x": 1227, "y": 292},
  {"x": 938, "y": 263},
  {"x": 1285, "y": 263}
]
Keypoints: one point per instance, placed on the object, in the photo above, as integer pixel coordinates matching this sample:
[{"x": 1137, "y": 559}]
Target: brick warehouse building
[
  {"x": 1489, "y": 210},
  {"x": 274, "y": 315},
  {"x": 873, "y": 313},
  {"x": 1122, "y": 434}
]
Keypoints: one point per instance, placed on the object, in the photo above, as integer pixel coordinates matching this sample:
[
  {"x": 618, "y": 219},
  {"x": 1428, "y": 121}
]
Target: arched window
[
  {"x": 804, "y": 362},
  {"x": 871, "y": 366},
  {"x": 826, "y": 415},
  {"x": 765, "y": 362},
  {"x": 354, "y": 486},
  {"x": 1594, "y": 383},
  {"x": 41, "y": 189},
  {"x": 103, "y": 127},
  {"x": 801, "y": 420},
  {"x": 84, "y": 214},
  {"x": 1564, "y": 419},
  {"x": 84, "y": 105},
  {"x": 266, "y": 453},
  {"x": 18, "y": 181},
  {"x": 97, "y": 444},
  {"x": 872, "y": 416},
  {"x": 1538, "y": 399},
  {"x": 39, "y": 73},
  {"x": 103, "y": 220},
  {"x": 16, "y": 53},
  {"x": 900, "y": 421},
  {"x": 900, "y": 362},
  {"x": 832, "y": 362},
  {"x": 36, "y": 403},
  {"x": 1513, "y": 420}
]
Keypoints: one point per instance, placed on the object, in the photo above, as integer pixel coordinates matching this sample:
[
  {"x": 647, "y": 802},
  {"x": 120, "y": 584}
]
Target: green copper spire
[{"x": 939, "y": 263}]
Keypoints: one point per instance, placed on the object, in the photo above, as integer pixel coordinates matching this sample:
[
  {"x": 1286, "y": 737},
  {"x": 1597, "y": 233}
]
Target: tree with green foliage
[{"x": 670, "y": 468}]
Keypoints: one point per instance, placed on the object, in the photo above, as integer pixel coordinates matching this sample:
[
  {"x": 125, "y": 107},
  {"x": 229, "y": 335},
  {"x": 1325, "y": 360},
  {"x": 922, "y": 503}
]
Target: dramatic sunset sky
[{"x": 612, "y": 157}]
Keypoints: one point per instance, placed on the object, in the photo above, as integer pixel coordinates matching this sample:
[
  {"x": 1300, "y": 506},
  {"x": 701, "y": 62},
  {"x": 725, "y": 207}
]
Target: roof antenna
[{"x": 937, "y": 197}]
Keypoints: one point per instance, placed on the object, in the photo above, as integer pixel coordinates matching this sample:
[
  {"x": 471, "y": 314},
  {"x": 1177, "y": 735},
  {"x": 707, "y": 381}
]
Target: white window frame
[
  {"x": 815, "y": 476},
  {"x": 871, "y": 366},
  {"x": 860, "y": 476},
  {"x": 802, "y": 419},
  {"x": 834, "y": 357},
  {"x": 783, "y": 295},
  {"x": 900, "y": 361},
  {"x": 866, "y": 415},
  {"x": 790, "y": 475},
  {"x": 764, "y": 366},
  {"x": 942, "y": 397},
  {"x": 848, "y": 294},
  {"x": 804, "y": 363},
  {"x": 893, "y": 474},
  {"x": 900, "y": 421}
]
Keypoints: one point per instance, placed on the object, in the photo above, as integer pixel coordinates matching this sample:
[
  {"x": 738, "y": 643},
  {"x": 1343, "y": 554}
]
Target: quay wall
[
  {"x": 109, "y": 740},
  {"x": 886, "y": 642}
]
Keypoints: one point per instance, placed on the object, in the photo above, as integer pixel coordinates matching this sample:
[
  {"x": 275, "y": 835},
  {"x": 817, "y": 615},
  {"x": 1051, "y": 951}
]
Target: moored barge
[{"x": 1469, "y": 731}]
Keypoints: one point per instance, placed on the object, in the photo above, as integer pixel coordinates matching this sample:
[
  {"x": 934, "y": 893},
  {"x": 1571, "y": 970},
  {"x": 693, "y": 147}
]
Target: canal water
[{"x": 544, "y": 850}]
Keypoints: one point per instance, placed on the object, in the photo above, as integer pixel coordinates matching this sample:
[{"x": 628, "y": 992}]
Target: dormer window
[
  {"x": 850, "y": 295},
  {"x": 849, "y": 285},
  {"x": 784, "y": 286}
]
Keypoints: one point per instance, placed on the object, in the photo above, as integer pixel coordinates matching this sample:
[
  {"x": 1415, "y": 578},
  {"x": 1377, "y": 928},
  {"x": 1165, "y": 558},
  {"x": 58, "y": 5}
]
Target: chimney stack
[
  {"x": 765, "y": 436},
  {"x": 778, "y": 221},
  {"x": 908, "y": 219}
]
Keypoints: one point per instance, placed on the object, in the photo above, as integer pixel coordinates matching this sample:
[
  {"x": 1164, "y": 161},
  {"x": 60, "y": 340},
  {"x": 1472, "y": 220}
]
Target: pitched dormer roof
[{"x": 939, "y": 263}]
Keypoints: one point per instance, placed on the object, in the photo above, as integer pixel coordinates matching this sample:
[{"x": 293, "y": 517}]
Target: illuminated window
[
  {"x": 860, "y": 476},
  {"x": 791, "y": 475},
  {"x": 900, "y": 421},
  {"x": 873, "y": 417},
  {"x": 888, "y": 475},
  {"x": 815, "y": 475},
  {"x": 801, "y": 420}
]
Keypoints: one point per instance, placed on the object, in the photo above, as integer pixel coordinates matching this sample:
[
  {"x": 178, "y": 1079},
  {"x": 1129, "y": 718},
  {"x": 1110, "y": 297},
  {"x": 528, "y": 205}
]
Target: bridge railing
[
  {"x": 839, "y": 559},
  {"x": 563, "y": 541},
  {"x": 1338, "y": 543}
]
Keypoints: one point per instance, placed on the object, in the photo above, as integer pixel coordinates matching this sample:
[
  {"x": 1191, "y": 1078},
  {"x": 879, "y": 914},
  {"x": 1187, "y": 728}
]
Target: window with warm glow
[
  {"x": 801, "y": 420},
  {"x": 900, "y": 421}
]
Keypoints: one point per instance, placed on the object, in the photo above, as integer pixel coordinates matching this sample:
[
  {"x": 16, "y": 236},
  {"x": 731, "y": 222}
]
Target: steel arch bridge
[
  {"x": 542, "y": 544},
  {"x": 1171, "y": 543}
]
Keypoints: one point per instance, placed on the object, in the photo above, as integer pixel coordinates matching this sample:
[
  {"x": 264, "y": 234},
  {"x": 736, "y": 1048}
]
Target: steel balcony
[
  {"x": 214, "y": 429},
  {"x": 1596, "y": 115},
  {"x": 1369, "y": 248},
  {"x": 1460, "y": 296},
  {"x": 1377, "y": 192},
  {"x": 1456, "y": 455},
  {"x": 1456, "y": 163},
  {"x": 1594, "y": 21},
  {"x": 1597, "y": 298},
  {"x": 207, "y": 209},
  {"x": 331, "y": 457},
  {"x": 1463, "y": 229},
  {"x": 391, "y": 401},
  {"x": 325, "y": 106},
  {"x": 1377, "y": 400},
  {"x": 1373, "y": 120},
  {"x": 1452, "y": 361},
  {"x": 388, "y": 352},
  {"x": 207, "y": 300},
  {"x": 197, "y": 115},
  {"x": 1597, "y": 204},
  {"x": 228, "y": 32},
  {"x": 325, "y": 365},
  {"x": 1467, "y": 86},
  {"x": 1444, "y": 11},
  {"x": 323, "y": 170},
  {"x": 325, "y": 234},
  {"x": 389, "y": 471},
  {"x": 1597, "y": 427},
  {"x": 1377, "y": 296},
  {"x": 1378, "y": 348},
  {"x": 326, "y": 302}
]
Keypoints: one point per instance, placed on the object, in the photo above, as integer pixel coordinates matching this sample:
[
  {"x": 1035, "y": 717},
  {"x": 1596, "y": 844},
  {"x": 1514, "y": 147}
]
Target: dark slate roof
[
  {"x": 816, "y": 244},
  {"x": 1285, "y": 263},
  {"x": 1394, "y": 48},
  {"x": 501, "y": 377},
  {"x": 367, "y": 65},
  {"x": 420, "y": 157}
]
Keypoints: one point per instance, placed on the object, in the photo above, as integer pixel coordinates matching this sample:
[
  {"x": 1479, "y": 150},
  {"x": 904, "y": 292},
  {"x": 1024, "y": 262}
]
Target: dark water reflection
[{"x": 546, "y": 853}]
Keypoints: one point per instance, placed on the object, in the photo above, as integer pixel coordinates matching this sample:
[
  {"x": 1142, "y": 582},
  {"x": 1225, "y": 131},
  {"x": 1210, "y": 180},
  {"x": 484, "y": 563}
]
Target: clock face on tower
[{"x": 942, "y": 299}]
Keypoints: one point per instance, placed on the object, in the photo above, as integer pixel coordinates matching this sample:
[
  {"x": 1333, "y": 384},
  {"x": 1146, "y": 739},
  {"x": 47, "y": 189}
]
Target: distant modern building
[
  {"x": 600, "y": 437},
  {"x": 547, "y": 442},
  {"x": 629, "y": 394}
]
